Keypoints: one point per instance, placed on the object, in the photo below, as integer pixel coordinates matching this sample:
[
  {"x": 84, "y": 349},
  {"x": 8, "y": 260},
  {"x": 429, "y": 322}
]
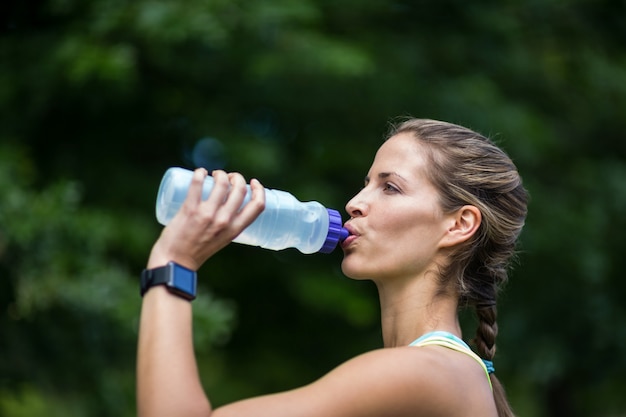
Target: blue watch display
[{"x": 176, "y": 278}]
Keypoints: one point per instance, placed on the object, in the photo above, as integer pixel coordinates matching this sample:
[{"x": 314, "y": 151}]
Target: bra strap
[{"x": 450, "y": 341}]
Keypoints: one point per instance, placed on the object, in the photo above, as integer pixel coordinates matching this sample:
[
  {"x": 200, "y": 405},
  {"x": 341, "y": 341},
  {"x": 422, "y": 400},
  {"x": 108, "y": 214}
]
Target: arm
[{"x": 167, "y": 378}]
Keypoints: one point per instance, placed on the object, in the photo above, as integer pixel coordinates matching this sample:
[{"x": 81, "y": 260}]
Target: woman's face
[{"x": 396, "y": 222}]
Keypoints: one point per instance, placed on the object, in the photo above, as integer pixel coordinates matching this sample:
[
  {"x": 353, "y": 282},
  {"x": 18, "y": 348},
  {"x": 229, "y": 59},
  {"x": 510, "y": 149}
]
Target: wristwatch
[{"x": 177, "y": 279}]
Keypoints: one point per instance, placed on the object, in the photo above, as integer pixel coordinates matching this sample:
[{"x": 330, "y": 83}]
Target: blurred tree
[
  {"x": 99, "y": 97},
  {"x": 70, "y": 305}
]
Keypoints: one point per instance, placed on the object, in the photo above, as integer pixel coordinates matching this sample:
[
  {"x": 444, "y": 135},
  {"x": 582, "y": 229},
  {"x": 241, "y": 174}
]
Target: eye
[{"x": 389, "y": 188}]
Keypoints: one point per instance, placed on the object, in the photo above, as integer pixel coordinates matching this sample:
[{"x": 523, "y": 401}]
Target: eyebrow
[{"x": 385, "y": 175}]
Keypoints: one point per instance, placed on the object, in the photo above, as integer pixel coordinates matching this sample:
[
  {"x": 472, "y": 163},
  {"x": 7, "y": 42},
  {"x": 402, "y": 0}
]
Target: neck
[{"x": 411, "y": 308}]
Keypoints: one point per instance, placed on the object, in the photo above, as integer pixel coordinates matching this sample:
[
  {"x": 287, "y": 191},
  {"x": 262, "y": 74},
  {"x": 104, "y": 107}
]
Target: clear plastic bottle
[{"x": 285, "y": 222}]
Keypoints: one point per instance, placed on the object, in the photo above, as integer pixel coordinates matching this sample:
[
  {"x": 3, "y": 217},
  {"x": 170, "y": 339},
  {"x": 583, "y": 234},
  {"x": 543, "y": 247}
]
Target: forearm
[{"x": 168, "y": 383}]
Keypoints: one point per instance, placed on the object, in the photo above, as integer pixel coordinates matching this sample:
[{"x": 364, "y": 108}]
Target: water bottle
[{"x": 285, "y": 222}]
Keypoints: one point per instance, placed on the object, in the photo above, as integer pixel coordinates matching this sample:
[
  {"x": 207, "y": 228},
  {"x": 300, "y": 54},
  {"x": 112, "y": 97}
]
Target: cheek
[
  {"x": 417, "y": 232},
  {"x": 405, "y": 226}
]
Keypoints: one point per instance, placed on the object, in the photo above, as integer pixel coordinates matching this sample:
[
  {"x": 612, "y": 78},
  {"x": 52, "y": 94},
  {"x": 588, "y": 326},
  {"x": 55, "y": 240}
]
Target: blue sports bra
[{"x": 450, "y": 341}]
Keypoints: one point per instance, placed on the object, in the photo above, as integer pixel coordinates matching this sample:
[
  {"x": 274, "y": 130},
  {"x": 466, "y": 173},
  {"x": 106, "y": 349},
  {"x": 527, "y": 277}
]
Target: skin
[{"x": 399, "y": 236}]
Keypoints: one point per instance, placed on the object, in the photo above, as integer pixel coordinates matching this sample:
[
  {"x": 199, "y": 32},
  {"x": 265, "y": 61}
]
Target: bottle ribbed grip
[{"x": 336, "y": 232}]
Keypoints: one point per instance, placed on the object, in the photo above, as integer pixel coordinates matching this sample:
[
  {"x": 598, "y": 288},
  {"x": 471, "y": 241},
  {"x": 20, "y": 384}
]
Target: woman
[{"x": 434, "y": 227}]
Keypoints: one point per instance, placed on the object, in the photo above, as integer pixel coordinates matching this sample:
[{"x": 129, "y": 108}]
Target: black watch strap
[{"x": 176, "y": 278}]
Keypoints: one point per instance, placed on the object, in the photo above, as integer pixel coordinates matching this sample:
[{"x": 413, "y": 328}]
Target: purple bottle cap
[{"x": 336, "y": 232}]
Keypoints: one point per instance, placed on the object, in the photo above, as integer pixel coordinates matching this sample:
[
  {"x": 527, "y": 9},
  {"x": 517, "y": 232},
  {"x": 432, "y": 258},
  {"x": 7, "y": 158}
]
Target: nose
[{"x": 356, "y": 206}]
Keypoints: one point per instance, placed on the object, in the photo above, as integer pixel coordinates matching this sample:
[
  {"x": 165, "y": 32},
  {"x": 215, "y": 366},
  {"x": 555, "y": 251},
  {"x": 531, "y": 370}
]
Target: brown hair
[{"x": 469, "y": 169}]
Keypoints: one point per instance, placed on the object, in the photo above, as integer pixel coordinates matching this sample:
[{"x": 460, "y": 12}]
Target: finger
[
  {"x": 258, "y": 192},
  {"x": 237, "y": 193},
  {"x": 221, "y": 187},
  {"x": 254, "y": 207},
  {"x": 194, "y": 194}
]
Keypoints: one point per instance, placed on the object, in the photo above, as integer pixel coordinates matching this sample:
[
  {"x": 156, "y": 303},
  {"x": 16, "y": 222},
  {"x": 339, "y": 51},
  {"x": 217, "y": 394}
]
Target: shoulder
[
  {"x": 408, "y": 380},
  {"x": 403, "y": 364}
]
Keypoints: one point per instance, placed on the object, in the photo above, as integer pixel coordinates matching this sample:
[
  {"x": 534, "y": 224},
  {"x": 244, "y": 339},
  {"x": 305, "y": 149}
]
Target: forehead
[{"x": 403, "y": 153}]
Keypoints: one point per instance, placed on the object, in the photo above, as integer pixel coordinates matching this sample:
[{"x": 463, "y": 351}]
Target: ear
[{"x": 462, "y": 225}]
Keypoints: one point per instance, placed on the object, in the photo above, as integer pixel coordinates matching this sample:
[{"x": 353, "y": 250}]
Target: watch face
[{"x": 184, "y": 280}]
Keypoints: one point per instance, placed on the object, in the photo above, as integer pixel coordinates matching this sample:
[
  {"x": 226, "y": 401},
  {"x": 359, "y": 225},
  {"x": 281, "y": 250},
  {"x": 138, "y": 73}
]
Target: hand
[{"x": 202, "y": 228}]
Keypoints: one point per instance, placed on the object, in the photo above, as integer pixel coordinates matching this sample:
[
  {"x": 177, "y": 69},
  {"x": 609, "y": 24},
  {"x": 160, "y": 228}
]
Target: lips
[{"x": 354, "y": 234}]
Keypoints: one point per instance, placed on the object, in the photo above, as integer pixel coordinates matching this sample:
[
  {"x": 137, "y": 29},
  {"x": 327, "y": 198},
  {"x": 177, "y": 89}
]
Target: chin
[{"x": 352, "y": 272}]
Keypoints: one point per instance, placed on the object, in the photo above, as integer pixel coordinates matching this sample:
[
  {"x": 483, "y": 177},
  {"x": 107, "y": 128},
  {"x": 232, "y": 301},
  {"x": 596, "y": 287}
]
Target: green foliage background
[{"x": 99, "y": 97}]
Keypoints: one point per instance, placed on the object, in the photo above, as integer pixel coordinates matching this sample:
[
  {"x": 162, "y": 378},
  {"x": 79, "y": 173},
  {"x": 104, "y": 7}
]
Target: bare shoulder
[
  {"x": 393, "y": 382},
  {"x": 428, "y": 381},
  {"x": 400, "y": 380}
]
